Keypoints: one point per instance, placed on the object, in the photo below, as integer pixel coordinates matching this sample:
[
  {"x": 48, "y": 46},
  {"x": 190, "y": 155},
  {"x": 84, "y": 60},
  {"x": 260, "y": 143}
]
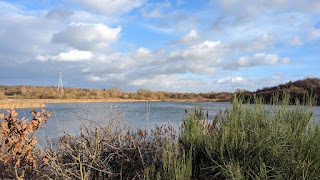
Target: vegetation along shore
[
  {"x": 243, "y": 142},
  {"x": 38, "y": 96}
]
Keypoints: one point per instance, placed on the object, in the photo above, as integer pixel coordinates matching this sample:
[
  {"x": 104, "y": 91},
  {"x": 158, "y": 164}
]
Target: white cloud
[
  {"x": 25, "y": 34},
  {"x": 120, "y": 63},
  {"x": 69, "y": 56},
  {"x": 87, "y": 36},
  {"x": 315, "y": 34},
  {"x": 111, "y": 7},
  {"x": 232, "y": 80},
  {"x": 95, "y": 78},
  {"x": 201, "y": 58},
  {"x": 190, "y": 38},
  {"x": 173, "y": 83},
  {"x": 251, "y": 41},
  {"x": 75, "y": 55},
  {"x": 84, "y": 37},
  {"x": 142, "y": 65},
  {"x": 250, "y": 83},
  {"x": 295, "y": 41},
  {"x": 207, "y": 50},
  {"x": 259, "y": 59},
  {"x": 143, "y": 52}
]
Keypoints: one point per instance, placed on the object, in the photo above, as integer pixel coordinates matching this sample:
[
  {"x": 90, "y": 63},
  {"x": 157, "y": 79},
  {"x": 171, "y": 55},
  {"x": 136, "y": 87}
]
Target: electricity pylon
[{"x": 60, "y": 86}]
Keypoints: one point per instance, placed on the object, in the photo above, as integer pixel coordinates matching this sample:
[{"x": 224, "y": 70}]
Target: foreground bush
[
  {"x": 18, "y": 155},
  {"x": 243, "y": 142}
]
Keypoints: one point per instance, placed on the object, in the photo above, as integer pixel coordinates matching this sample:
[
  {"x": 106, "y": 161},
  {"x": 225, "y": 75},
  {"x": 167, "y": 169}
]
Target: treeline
[
  {"x": 297, "y": 90},
  {"x": 50, "y": 92}
]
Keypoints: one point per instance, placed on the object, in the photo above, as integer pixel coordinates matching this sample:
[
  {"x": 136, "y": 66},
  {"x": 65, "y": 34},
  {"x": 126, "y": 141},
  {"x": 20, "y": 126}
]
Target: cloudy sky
[{"x": 169, "y": 45}]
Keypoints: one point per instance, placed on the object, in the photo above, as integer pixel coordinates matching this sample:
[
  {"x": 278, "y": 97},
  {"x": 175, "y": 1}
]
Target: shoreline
[{"x": 40, "y": 103}]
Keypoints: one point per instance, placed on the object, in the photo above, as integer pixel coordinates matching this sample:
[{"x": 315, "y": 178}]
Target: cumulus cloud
[
  {"x": 174, "y": 83},
  {"x": 207, "y": 50},
  {"x": 69, "y": 56},
  {"x": 142, "y": 65},
  {"x": 190, "y": 38},
  {"x": 75, "y": 55},
  {"x": 192, "y": 63},
  {"x": 24, "y": 34},
  {"x": 110, "y": 7},
  {"x": 250, "y": 83},
  {"x": 252, "y": 42},
  {"x": 87, "y": 36},
  {"x": 202, "y": 58},
  {"x": 120, "y": 63},
  {"x": 258, "y": 25},
  {"x": 259, "y": 59},
  {"x": 230, "y": 80}
]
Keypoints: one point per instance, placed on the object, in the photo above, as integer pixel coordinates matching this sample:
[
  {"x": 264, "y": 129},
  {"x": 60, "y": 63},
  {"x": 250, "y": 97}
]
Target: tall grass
[
  {"x": 246, "y": 141},
  {"x": 257, "y": 142}
]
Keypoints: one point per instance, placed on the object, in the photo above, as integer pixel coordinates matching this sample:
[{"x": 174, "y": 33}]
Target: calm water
[{"x": 69, "y": 117}]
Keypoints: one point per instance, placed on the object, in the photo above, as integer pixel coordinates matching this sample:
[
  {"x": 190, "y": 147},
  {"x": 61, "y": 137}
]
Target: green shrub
[{"x": 256, "y": 142}]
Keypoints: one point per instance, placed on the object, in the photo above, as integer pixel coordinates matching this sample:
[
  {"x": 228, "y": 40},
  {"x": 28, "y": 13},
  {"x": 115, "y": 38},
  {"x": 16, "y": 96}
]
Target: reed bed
[
  {"x": 40, "y": 103},
  {"x": 23, "y": 103},
  {"x": 243, "y": 142}
]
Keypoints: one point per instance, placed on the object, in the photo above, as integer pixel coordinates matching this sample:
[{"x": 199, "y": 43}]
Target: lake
[{"x": 70, "y": 116}]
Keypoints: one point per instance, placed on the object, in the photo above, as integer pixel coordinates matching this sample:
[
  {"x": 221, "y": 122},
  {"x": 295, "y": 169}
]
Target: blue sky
[{"x": 176, "y": 45}]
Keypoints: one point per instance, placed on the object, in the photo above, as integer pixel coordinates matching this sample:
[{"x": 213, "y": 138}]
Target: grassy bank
[{"x": 243, "y": 142}]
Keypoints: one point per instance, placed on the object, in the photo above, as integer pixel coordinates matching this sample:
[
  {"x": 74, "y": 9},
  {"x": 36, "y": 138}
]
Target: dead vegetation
[
  {"x": 113, "y": 151},
  {"x": 17, "y": 143},
  {"x": 50, "y": 92}
]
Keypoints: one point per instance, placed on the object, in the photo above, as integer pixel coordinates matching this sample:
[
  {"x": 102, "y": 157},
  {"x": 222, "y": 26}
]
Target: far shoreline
[{"x": 40, "y": 103}]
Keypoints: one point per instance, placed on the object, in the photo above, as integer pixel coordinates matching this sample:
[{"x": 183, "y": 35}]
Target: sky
[{"x": 170, "y": 45}]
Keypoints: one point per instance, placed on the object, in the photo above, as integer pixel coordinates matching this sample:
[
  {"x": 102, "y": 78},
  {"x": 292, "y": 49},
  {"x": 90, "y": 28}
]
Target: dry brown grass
[
  {"x": 40, "y": 103},
  {"x": 110, "y": 151},
  {"x": 15, "y": 104}
]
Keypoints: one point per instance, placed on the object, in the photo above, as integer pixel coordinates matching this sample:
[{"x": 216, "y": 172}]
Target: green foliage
[
  {"x": 257, "y": 142},
  {"x": 176, "y": 164}
]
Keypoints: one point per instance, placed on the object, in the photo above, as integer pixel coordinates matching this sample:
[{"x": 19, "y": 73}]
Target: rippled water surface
[{"x": 69, "y": 117}]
